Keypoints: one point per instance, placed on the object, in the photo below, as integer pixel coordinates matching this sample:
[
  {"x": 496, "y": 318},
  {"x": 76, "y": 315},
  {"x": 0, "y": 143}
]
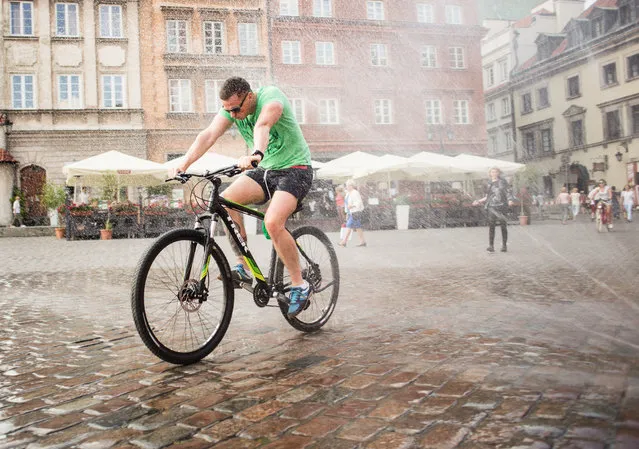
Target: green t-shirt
[{"x": 286, "y": 144}]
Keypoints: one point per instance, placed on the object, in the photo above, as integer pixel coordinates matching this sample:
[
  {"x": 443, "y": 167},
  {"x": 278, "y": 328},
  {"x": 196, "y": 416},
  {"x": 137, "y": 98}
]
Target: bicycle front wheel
[
  {"x": 177, "y": 322},
  {"x": 320, "y": 269}
]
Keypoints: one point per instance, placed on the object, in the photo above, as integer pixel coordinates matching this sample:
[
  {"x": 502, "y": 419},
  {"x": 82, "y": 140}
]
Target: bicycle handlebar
[{"x": 230, "y": 171}]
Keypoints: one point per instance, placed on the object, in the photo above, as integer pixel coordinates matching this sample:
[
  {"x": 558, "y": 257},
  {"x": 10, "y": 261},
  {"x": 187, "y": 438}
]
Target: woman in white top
[
  {"x": 603, "y": 193},
  {"x": 628, "y": 201},
  {"x": 353, "y": 206},
  {"x": 575, "y": 197}
]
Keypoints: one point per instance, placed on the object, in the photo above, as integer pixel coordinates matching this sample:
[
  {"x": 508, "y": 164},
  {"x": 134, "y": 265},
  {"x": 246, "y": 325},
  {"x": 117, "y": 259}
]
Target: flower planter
[
  {"x": 106, "y": 234},
  {"x": 84, "y": 213},
  {"x": 523, "y": 220},
  {"x": 59, "y": 233}
]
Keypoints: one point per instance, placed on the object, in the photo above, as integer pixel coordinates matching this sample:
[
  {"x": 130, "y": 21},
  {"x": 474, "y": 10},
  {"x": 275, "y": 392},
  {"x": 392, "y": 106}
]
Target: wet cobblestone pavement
[{"x": 434, "y": 344}]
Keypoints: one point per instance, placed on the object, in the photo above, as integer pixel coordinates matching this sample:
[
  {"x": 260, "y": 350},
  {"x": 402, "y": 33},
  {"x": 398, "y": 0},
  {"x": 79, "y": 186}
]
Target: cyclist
[
  {"x": 603, "y": 193},
  {"x": 267, "y": 123}
]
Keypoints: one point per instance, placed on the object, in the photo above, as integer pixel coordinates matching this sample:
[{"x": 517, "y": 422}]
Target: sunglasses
[{"x": 237, "y": 109}]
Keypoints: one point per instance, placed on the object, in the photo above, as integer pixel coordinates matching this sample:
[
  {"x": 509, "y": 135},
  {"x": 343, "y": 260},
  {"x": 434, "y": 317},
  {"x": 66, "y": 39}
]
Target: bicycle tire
[
  {"x": 599, "y": 221},
  {"x": 155, "y": 298},
  {"x": 322, "y": 303}
]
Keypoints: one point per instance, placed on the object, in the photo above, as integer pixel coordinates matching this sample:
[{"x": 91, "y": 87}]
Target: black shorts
[{"x": 295, "y": 180}]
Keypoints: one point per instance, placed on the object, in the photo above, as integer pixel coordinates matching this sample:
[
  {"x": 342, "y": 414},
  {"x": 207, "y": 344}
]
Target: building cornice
[{"x": 618, "y": 100}]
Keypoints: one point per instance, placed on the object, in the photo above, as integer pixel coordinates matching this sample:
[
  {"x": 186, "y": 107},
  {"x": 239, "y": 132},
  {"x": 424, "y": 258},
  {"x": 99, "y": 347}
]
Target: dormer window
[
  {"x": 597, "y": 26},
  {"x": 625, "y": 15}
]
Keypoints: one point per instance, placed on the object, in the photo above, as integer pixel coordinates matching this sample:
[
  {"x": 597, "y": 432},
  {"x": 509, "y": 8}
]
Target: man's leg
[
  {"x": 243, "y": 190},
  {"x": 283, "y": 204}
]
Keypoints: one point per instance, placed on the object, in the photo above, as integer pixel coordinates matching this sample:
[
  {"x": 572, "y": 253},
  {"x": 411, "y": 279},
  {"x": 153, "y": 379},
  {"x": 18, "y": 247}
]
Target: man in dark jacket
[{"x": 497, "y": 200}]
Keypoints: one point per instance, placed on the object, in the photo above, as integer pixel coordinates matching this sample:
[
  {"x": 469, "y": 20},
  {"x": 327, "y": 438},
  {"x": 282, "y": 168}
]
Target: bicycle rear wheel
[
  {"x": 320, "y": 269},
  {"x": 175, "y": 323}
]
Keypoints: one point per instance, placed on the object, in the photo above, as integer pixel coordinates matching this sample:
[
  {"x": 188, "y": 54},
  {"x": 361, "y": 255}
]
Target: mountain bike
[{"x": 183, "y": 292}]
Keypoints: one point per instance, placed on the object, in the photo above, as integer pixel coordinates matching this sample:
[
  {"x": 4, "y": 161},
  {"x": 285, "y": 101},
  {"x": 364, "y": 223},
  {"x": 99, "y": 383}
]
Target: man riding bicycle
[
  {"x": 603, "y": 193},
  {"x": 267, "y": 123}
]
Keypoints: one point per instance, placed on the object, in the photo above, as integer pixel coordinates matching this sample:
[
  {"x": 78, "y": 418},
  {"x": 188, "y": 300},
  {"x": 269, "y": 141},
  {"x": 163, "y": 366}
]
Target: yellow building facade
[{"x": 577, "y": 101}]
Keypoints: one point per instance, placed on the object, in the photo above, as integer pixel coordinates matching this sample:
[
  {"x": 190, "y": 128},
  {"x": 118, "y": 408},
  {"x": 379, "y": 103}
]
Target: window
[
  {"x": 577, "y": 133},
  {"x": 453, "y": 14},
  {"x": 625, "y": 15},
  {"x": 542, "y": 98},
  {"x": 176, "y": 38},
  {"x": 247, "y": 35},
  {"x": 505, "y": 107},
  {"x": 429, "y": 56},
  {"x": 508, "y": 137},
  {"x": 490, "y": 75},
  {"x": 297, "y": 105},
  {"x": 289, "y": 8},
  {"x": 375, "y": 10},
  {"x": 113, "y": 91},
  {"x": 493, "y": 144},
  {"x": 456, "y": 56},
  {"x": 490, "y": 111},
  {"x": 529, "y": 144},
  {"x": 322, "y": 8},
  {"x": 291, "y": 52},
  {"x": 214, "y": 37},
  {"x": 110, "y": 21},
  {"x": 610, "y": 74},
  {"x": 597, "y": 27},
  {"x": 460, "y": 108},
  {"x": 324, "y": 54},
  {"x": 613, "y": 125},
  {"x": 425, "y": 13},
  {"x": 328, "y": 112},
  {"x": 66, "y": 19},
  {"x": 211, "y": 91},
  {"x": 503, "y": 69},
  {"x": 632, "y": 62},
  {"x": 546, "y": 140},
  {"x": 634, "y": 116},
  {"x": 382, "y": 112},
  {"x": 22, "y": 92},
  {"x": 433, "y": 112},
  {"x": 21, "y": 18},
  {"x": 526, "y": 103},
  {"x": 379, "y": 55},
  {"x": 573, "y": 87},
  {"x": 69, "y": 93},
  {"x": 180, "y": 95}
]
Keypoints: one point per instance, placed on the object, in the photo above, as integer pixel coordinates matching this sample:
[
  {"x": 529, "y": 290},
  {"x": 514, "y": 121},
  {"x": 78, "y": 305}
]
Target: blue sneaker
[
  {"x": 239, "y": 274},
  {"x": 298, "y": 298}
]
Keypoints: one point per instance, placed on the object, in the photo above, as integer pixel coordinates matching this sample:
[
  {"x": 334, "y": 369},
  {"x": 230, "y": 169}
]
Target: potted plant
[
  {"x": 523, "y": 181},
  {"x": 53, "y": 198},
  {"x": 107, "y": 232}
]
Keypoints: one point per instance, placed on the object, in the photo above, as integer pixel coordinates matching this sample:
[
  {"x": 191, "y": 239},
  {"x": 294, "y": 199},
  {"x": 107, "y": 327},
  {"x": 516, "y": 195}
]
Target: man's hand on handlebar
[{"x": 247, "y": 162}]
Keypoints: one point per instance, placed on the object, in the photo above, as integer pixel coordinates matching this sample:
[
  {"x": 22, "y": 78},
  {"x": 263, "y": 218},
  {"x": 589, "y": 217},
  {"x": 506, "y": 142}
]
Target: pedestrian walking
[
  {"x": 575, "y": 199},
  {"x": 354, "y": 207},
  {"x": 628, "y": 199},
  {"x": 497, "y": 200},
  {"x": 616, "y": 208},
  {"x": 17, "y": 212},
  {"x": 564, "y": 202}
]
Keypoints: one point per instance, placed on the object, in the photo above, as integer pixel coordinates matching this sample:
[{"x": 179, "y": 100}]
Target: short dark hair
[{"x": 232, "y": 86}]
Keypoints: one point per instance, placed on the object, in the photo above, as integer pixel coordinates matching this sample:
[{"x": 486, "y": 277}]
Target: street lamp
[
  {"x": 6, "y": 123},
  {"x": 621, "y": 146}
]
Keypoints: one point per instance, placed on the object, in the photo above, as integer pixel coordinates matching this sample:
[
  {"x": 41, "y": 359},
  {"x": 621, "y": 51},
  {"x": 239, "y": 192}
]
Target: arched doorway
[
  {"x": 32, "y": 180},
  {"x": 582, "y": 177}
]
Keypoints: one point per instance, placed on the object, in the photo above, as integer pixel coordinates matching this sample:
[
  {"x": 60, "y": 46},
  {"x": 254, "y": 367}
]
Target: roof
[{"x": 5, "y": 156}]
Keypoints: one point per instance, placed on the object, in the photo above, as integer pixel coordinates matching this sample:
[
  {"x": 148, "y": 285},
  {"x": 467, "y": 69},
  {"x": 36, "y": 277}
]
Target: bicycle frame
[{"x": 217, "y": 209}]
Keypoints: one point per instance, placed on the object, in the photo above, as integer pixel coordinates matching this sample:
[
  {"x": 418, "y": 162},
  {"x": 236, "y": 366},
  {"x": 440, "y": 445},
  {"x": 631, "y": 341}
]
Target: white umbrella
[
  {"x": 344, "y": 167},
  {"x": 129, "y": 170},
  {"x": 480, "y": 165},
  {"x": 209, "y": 161},
  {"x": 435, "y": 167},
  {"x": 385, "y": 168}
]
